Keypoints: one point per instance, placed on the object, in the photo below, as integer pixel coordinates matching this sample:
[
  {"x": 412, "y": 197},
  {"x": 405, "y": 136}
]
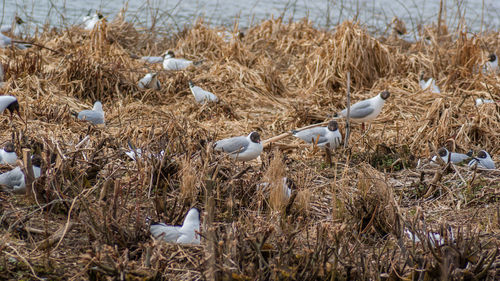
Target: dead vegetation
[{"x": 344, "y": 221}]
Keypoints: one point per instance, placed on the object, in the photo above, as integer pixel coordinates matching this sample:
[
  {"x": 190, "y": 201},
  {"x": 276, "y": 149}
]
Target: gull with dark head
[
  {"x": 452, "y": 157},
  {"x": 90, "y": 21},
  {"x": 94, "y": 116},
  {"x": 12, "y": 28},
  {"x": 200, "y": 95},
  {"x": 185, "y": 234},
  {"x": 170, "y": 62},
  {"x": 8, "y": 154},
  {"x": 491, "y": 66},
  {"x": 366, "y": 110},
  {"x": 14, "y": 180},
  {"x": 241, "y": 148},
  {"x": 483, "y": 160},
  {"x": 323, "y": 135},
  {"x": 150, "y": 81}
]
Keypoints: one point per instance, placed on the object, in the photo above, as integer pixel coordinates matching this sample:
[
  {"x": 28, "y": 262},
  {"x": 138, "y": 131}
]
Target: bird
[
  {"x": 170, "y": 62},
  {"x": 10, "y": 28},
  {"x": 241, "y": 148},
  {"x": 324, "y": 135},
  {"x": 14, "y": 179},
  {"x": 151, "y": 59},
  {"x": 450, "y": 156},
  {"x": 429, "y": 84},
  {"x": 366, "y": 110},
  {"x": 150, "y": 81},
  {"x": 492, "y": 64},
  {"x": 480, "y": 101},
  {"x": 94, "y": 116},
  {"x": 136, "y": 153},
  {"x": 8, "y": 154},
  {"x": 227, "y": 36},
  {"x": 483, "y": 160},
  {"x": 435, "y": 239},
  {"x": 287, "y": 185},
  {"x": 200, "y": 95},
  {"x": 185, "y": 234},
  {"x": 89, "y": 21}
]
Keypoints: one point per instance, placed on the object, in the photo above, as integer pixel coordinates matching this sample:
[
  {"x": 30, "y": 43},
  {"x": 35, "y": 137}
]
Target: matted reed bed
[{"x": 345, "y": 220}]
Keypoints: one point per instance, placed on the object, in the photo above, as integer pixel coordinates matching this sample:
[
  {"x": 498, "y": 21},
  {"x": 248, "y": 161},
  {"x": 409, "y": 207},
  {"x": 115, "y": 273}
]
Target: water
[{"x": 172, "y": 15}]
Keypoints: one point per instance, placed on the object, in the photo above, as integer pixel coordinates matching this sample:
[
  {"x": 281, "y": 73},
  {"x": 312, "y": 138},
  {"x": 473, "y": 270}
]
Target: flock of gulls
[{"x": 239, "y": 148}]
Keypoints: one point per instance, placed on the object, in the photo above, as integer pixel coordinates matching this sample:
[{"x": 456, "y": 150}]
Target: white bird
[
  {"x": 90, "y": 22},
  {"x": 150, "y": 81},
  {"x": 200, "y": 95},
  {"x": 94, "y": 116},
  {"x": 287, "y": 185},
  {"x": 11, "y": 28},
  {"x": 8, "y": 154},
  {"x": 170, "y": 62},
  {"x": 324, "y": 135},
  {"x": 483, "y": 160},
  {"x": 150, "y": 59},
  {"x": 434, "y": 238},
  {"x": 229, "y": 37},
  {"x": 6, "y": 41},
  {"x": 241, "y": 148},
  {"x": 14, "y": 179},
  {"x": 185, "y": 234},
  {"x": 366, "y": 110},
  {"x": 480, "y": 101},
  {"x": 491, "y": 65},
  {"x": 429, "y": 84},
  {"x": 453, "y": 156}
]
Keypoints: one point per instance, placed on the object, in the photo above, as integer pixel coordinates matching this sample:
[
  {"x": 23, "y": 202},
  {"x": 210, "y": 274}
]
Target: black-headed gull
[
  {"x": 90, "y": 21},
  {"x": 94, "y": 116},
  {"x": 152, "y": 59},
  {"x": 170, "y": 62},
  {"x": 429, "y": 84},
  {"x": 287, "y": 185},
  {"x": 241, "y": 148},
  {"x": 11, "y": 28},
  {"x": 150, "y": 81},
  {"x": 492, "y": 64},
  {"x": 14, "y": 179},
  {"x": 200, "y": 95},
  {"x": 185, "y": 234},
  {"x": 324, "y": 135},
  {"x": 366, "y": 110},
  {"x": 8, "y": 154},
  {"x": 483, "y": 160},
  {"x": 452, "y": 157}
]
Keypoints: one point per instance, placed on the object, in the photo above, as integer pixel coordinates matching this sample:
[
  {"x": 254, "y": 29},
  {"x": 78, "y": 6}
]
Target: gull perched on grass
[
  {"x": 90, "y": 21},
  {"x": 150, "y": 81},
  {"x": 452, "y": 157},
  {"x": 366, "y": 110},
  {"x": 94, "y": 116},
  {"x": 185, "y": 234},
  {"x": 8, "y": 154},
  {"x": 491, "y": 65},
  {"x": 170, "y": 62},
  {"x": 483, "y": 160},
  {"x": 429, "y": 84},
  {"x": 241, "y": 148},
  {"x": 321, "y": 135},
  {"x": 14, "y": 179},
  {"x": 200, "y": 95}
]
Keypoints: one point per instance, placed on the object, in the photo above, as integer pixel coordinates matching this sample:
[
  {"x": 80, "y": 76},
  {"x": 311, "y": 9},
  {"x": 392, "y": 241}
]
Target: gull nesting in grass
[
  {"x": 200, "y": 95},
  {"x": 241, "y": 148},
  {"x": 321, "y": 135},
  {"x": 94, "y": 116},
  {"x": 90, "y": 21},
  {"x": 429, "y": 84},
  {"x": 491, "y": 66},
  {"x": 483, "y": 160},
  {"x": 452, "y": 157},
  {"x": 151, "y": 59},
  {"x": 170, "y": 62},
  {"x": 14, "y": 179},
  {"x": 150, "y": 81},
  {"x": 185, "y": 234},
  {"x": 11, "y": 28},
  {"x": 366, "y": 110},
  {"x": 8, "y": 154}
]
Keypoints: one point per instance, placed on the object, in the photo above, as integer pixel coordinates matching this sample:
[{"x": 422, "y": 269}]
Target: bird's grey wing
[
  {"x": 165, "y": 232},
  {"x": 91, "y": 116},
  {"x": 13, "y": 178},
  {"x": 152, "y": 59},
  {"x": 360, "y": 109},
  {"x": 310, "y": 135},
  {"x": 232, "y": 145}
]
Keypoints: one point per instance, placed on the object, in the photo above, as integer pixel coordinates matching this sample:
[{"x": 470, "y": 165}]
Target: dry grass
[{"x": 344, "y": 222}]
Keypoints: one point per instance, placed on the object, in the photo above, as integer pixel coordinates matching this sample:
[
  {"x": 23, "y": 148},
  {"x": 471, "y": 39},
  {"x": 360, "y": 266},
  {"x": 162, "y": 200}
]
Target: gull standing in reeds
[
  {"x": 321, "y": 135},
  {"x": 90, "y": 21},
  {"x": 491, "y": 65},
  {"x": 170, "y": 62},
  {"x": 483, "y": 160},
  {"x": 185, "y": 234},
  {"x": 366, "y": 110},
  {"x": 10, "y": 103},
  {"x": 94, "y": 116},
  {"x": 241, "y": 148},
  {"x": 8, "y": 154},
  {"x": 200, "y": 95},
  {"x": 452, "y": 157},
  {"x": 150, "y": 81},
  {"x": 14, "y": 179},
  {"x": 429, "y": 84}
]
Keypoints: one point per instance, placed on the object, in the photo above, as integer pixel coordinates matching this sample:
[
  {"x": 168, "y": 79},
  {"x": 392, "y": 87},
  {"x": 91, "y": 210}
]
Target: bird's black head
[
  {"x": 9, "y": 147},
  {"x": 99, "y": 15},
  {"x": 18, "y": 20},
  {"x": 385, "y": 95},
  {"x": 482, "y": 154},
  {"x": 442, "y": 152},
  {"x": 255, "y": 137},
  {"x": 170, "y": 54},
  {"x": 492, "y": 57},
  {"x": 36, "y": 160},
  {"x": 333, "y": 126},
  {"x": 14, "y": 107}
]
